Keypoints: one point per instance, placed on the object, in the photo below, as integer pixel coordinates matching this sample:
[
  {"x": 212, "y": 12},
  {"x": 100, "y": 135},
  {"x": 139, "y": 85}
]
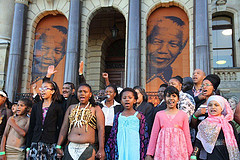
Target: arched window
[{"x": 223, "y": 50}]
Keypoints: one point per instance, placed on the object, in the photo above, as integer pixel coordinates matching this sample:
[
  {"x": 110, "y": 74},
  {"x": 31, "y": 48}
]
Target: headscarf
[{"x": 209, "y": 129}]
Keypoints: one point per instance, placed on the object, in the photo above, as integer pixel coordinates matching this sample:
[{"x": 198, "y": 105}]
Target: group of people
[{"x": 190, "y": 122}]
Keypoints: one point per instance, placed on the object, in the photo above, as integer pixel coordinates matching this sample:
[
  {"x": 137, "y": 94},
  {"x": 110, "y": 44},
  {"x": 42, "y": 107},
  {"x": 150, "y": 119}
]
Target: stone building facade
[{"x": 123, "y": 56}]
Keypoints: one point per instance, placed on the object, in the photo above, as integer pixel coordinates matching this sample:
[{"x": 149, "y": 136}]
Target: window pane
[
  {"x": 221, "y": 21},
  {"x": 222, "y": 38},
  {"x": 222, "y": 58}
]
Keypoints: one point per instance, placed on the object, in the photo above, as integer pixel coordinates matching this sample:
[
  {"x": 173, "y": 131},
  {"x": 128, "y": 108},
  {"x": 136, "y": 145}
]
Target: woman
[
  {"x": 80, "y": 124},
  {"x": 45, "y": 123},
  {"x": 110, "y": 108},
  {"x": 142, "y": 104},
  {"x": 209, "y": 87}
]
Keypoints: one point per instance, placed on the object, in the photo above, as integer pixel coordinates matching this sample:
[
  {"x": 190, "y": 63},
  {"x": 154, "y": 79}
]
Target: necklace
[{"x": 80, "y": 116}]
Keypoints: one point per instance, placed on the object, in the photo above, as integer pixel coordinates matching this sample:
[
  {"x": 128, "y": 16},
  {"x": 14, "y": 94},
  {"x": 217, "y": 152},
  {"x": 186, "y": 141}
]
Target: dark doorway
[{"x": 115, "y": 62}]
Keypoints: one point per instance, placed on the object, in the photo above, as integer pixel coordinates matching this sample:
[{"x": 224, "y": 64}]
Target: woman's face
[
  {"x": 140, "y": 97},
  {"x": 109, "y": 91},
  {"x": 84, "y": 94},
  {"x": 46, "y": 91},
  {"x": 232, "y": 103},
  {"x": 207, "y": 88},
  {"x": 214, "y": 108},
  {"x": 171, "y": 100}
]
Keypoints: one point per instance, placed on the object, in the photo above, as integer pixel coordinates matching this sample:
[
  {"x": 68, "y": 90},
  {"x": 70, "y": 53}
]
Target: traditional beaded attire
[
  {"x": 82, "y": 116},
  {"x": 78, "y": 118}
]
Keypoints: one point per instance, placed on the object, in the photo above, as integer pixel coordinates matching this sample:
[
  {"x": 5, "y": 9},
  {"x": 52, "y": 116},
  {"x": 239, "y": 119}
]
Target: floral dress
[{"x": 170, "y": 138}]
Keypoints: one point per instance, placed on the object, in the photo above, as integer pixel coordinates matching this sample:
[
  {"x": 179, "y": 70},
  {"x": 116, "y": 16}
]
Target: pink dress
[{"x": 170, "y": 137}]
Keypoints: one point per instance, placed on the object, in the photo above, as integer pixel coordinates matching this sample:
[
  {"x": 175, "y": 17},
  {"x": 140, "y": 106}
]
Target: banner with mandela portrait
[
  {"x": 50, "y": 48},
  {"x": 167, "y": 47}
]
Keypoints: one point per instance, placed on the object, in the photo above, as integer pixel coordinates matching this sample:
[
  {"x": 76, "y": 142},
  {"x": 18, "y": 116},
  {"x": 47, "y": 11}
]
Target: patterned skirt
[{"x": 42, "y": 151}]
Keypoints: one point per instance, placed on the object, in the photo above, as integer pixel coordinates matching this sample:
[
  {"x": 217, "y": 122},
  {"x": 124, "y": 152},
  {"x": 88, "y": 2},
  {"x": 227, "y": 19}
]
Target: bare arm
[
  {"x": 80, "y": 69},
  {"x": 101, "y": 132},
  {"x": 34, "y": 87},
  {"x": 19, "y": 130},
  {"x": 81, "y": 78},
  {"x": 105, "y": 76}
]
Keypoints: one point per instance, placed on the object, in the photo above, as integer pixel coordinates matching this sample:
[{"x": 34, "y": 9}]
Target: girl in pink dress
[{"x": 170, "y": 137}]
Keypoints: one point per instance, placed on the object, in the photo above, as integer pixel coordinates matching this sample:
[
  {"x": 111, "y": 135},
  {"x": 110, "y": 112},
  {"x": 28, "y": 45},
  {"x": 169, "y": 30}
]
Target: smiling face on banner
[
  {"x": 167, "y": 46},
  {"x": 165, "y": 42},
  {"x": 50, "y": 47}
]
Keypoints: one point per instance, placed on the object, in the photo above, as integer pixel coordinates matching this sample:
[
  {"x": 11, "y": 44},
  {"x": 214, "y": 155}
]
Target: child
[
  {"x": 45, "y": 123},
  {"x": 14, "y": 109},
  {"x": 170, "y": 136},
  {"x": 215, "y": 133},
  {"x": 13, "y": 139},
  {"x": 128, "y": 139}
]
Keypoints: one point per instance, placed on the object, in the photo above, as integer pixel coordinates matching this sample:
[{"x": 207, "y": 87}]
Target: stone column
[
  {"x": 16, "y": 48},
  {"x": 6, "y": 18},
  {"x": 73, "y": 49},
  {"x": 133, "y": 50},
  {"x": 202, "y": 53}
]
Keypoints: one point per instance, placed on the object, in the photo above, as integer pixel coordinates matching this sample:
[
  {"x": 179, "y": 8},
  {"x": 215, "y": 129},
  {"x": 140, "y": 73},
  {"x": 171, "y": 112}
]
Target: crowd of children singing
[{"x": 197, "y": 124}]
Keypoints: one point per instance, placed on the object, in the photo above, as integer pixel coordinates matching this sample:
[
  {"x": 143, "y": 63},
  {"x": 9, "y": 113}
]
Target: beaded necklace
[{"x": 80, "y": 116}]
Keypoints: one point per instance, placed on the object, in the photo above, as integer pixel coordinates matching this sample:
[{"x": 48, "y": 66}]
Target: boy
[{"x": 13, "y": 139}]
